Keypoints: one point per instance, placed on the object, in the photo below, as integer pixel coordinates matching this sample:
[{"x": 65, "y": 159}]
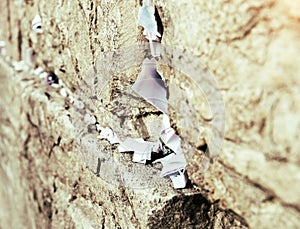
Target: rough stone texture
[
  {"x": 253, "y": 51},
  {"x": 46, "y": 183},
  {"x": 251, "y": 48}
]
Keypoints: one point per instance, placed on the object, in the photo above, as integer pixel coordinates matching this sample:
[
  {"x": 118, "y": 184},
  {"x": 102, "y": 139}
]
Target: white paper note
[
  {"x": 37, "y": 24},
  {"x": 179, "y": 179},
  {"x": 147, "y": 20},
  {"x": 151, "y": 87},
  {"x": 109, "y": 134},
  {"x": 142, "y": 149}
]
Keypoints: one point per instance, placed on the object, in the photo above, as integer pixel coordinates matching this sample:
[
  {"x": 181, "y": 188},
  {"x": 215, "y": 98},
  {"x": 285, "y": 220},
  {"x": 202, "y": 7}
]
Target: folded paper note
[
  {"x": 146, "y": 19},
  {"x": 169, "y": 137},
  {"x": 109, "y": 135},
  {"x": 151, "y": 87},
  {"x": 142, "y": 149},
  {"x": 172, "y": 164}
]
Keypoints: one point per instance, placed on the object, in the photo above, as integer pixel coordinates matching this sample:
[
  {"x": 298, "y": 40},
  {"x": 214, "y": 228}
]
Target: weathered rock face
[{"x": 48, "y": 180}]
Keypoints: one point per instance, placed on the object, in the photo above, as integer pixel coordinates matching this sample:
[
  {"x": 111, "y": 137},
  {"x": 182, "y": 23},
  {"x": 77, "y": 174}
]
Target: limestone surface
[{"x": 232, "y": 70}]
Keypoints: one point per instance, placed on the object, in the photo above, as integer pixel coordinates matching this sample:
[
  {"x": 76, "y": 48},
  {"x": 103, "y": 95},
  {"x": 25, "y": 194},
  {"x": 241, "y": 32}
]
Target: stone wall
[{"x": 252, "y": 50}]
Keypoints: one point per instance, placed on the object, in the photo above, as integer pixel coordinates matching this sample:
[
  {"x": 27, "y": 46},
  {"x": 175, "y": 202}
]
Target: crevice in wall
[
  {"x": 19, "y": 40},
  {"x": 9, "y": 20},
  {"x": 160, "y": 27}
]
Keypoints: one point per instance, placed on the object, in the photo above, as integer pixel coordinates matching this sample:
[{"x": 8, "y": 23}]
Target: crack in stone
[
  {"x": 19, "y": 40},
  {"x": 35, "y": 127},
  {"x": 55, "y": 144},
  {"x": 9, "y": 20},
  {"x": 269, "y": 193}
]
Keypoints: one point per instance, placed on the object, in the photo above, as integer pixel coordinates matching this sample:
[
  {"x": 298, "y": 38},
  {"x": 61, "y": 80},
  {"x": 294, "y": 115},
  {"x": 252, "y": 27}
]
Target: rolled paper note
[
  {"x": 37, "y": 24},
  {"x": 63, "y": 92}
]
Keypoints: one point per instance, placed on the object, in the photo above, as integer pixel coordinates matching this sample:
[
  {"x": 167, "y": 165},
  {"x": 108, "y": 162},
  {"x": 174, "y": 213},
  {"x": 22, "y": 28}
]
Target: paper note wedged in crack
[{"x": 151, "y": 87}]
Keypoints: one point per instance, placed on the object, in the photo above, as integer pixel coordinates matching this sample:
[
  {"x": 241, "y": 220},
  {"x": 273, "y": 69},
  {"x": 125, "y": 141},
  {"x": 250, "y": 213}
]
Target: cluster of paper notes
[
  {"x": 174, "y": 163},
  {"x": 150, "y": 86}
]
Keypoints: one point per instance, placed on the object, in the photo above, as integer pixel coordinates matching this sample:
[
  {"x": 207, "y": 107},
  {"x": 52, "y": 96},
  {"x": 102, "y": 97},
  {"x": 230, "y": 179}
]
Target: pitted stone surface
[{"x": 251, "y": 48}]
